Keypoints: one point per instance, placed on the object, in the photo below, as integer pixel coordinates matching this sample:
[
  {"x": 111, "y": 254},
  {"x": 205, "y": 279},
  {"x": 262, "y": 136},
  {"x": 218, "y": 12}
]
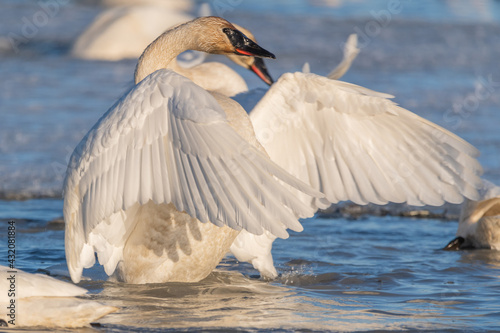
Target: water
[{"x": 345, "y": 272}]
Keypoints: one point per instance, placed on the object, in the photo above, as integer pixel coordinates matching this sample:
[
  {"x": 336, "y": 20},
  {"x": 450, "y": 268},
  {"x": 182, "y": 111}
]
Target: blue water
[{"x": 346, "y": 271}]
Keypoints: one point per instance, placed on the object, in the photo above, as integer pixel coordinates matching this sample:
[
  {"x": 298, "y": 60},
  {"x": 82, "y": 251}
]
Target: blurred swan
[
  {"x": 184, "y": 5},
  {"x": 124, "y": 32},
  {"x": 479, "y": 222},
  {"x": 354, "y": 144},
  {"x": 41, "y": 300},
  {"x": 163, "y": 183}
]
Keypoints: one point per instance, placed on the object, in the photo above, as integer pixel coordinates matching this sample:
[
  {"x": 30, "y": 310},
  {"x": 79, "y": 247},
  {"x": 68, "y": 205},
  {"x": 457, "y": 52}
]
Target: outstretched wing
[
  {"x": 168, "y": 141},
  {"x": 354, "y": 144}
]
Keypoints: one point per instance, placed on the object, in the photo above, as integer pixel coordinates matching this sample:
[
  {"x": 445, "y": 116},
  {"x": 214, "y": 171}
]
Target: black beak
[
  {"x": 259, "y": 68},
  {"x": 245, "y": 46},
  {"x": 455, "y": 244}
]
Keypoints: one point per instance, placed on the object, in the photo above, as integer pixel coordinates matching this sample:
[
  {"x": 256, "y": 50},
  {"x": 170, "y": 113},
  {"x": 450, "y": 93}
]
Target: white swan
[
  {"x": 40, "y": 300},
  {"x": 166, "y": 159},
  {"x": 479, "y": 222},
  {"x": 124, "y": 32},
  {"x": 183, "y": 5},
  {"x": 352, "y": 143}
]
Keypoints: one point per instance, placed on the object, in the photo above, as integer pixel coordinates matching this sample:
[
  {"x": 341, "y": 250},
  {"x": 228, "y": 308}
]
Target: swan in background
[
  {"x": 354, "y": 144},
  {"x": 41, "y": 300},
  {"x": 163, "y": 183},
  {"x": 184, "y": 5},
  {"x": 479, "y": 222},
  {"x": 125, "y": 31}
]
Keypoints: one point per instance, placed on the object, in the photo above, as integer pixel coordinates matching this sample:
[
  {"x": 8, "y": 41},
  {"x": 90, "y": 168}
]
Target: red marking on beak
[
  {"x": 240, "y": 51},
  {"x": 261, "y": 75}
]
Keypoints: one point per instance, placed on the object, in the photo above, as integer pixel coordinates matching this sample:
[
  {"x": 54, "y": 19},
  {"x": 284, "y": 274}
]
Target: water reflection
[
  {"x": 480, "y": 258},
  {"x": 231, "y": 300}
]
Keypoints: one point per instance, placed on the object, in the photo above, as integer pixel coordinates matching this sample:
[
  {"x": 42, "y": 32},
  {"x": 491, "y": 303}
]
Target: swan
[
  {"x": 166, "y": 179},
  {"x": 344, "y": 140},
  {"x": 354, "y": 144},
  {"x": 479, "y": 221},
  {"x": 183, "y": 5},
  {"x": 41, "y": 300},
  {"x": 124, "y": 32}
]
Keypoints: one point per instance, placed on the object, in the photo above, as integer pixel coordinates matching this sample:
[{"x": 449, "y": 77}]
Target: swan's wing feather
[
  {"x": 168, "y": 141},
  {"x": 39, "y": 285},
  {"x": 354, "y": 144},
  {"x": 351, "y": 51}
]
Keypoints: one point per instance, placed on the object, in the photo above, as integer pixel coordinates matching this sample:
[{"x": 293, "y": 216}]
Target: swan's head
[
  {"x": 207, "y": 34},
  {"x": 218, "y": 36},
  {"x": 479, "y": 224},
  {"x": 254, "y": 64}
]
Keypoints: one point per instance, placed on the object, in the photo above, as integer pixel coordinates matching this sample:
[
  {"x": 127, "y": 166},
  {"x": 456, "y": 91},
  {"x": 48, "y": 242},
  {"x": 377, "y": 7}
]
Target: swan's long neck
[{"x": 160, "y": 53}]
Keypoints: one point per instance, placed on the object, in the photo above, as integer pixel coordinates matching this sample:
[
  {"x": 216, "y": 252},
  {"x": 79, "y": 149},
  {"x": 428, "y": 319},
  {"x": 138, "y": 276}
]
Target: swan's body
[
  {"x": 479, "y": 222},
  {"x": 41, "y": 300},
  {"x": 352, "y": 143},
  {"x": 162, "y": 184}
]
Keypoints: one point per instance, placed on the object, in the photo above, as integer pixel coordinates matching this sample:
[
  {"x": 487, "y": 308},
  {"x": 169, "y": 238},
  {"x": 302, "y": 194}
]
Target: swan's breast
[{"x": 171, "y": 246}]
